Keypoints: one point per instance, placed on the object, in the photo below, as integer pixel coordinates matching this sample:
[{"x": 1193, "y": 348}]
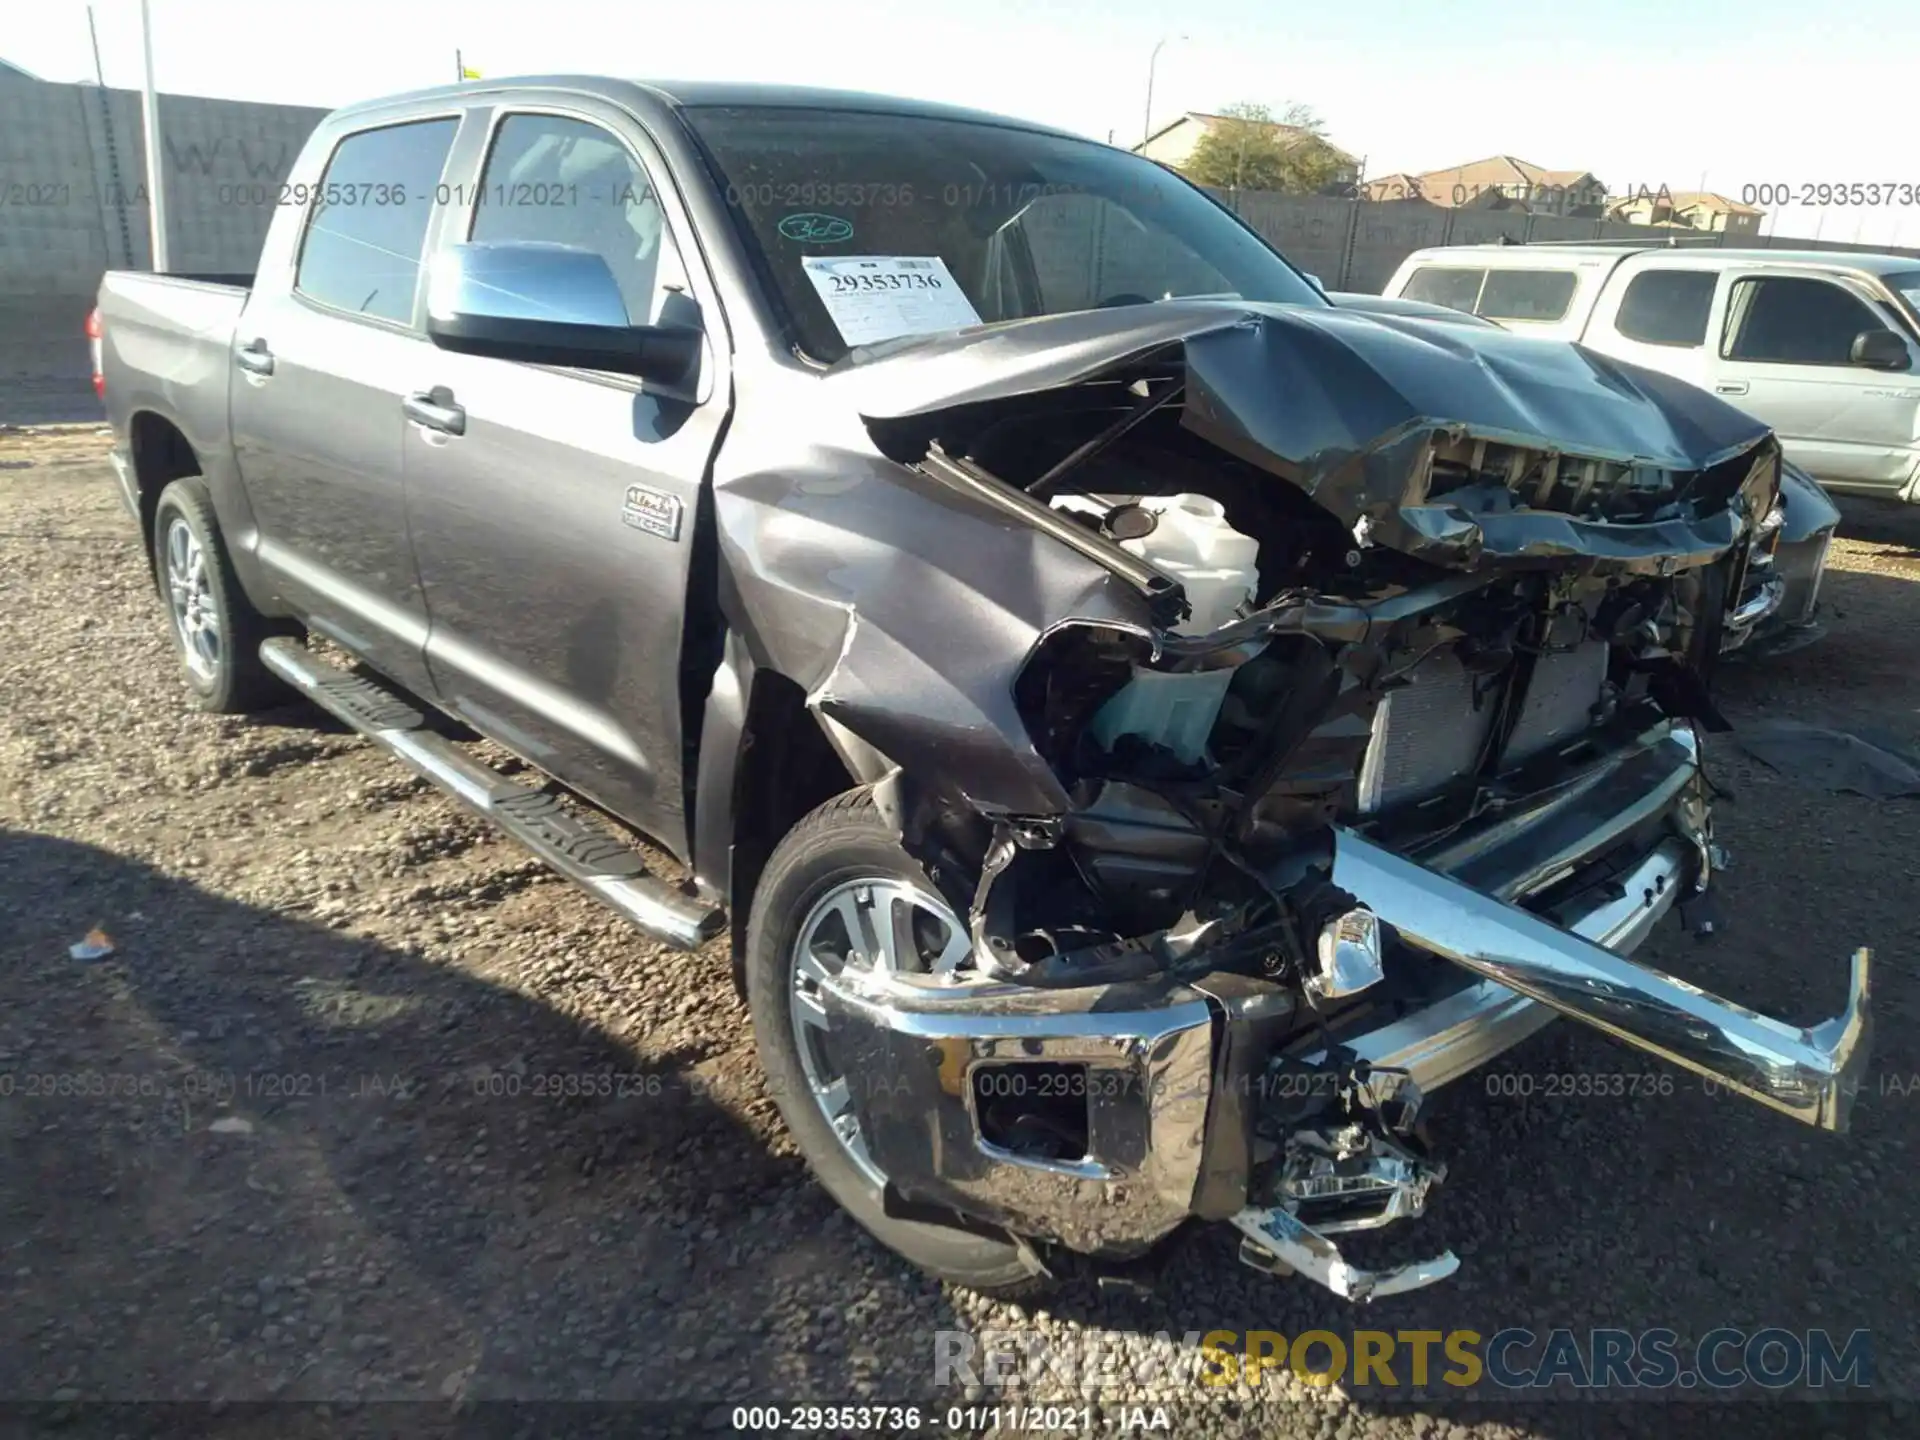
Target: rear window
[
  {"x": 1667, "y": 307},
  {"x": 361, "y": 252},
  {"x": 1541, "y": 295},
  {"x": 1455, "y": 288},
  {"x": 1526, "y": 294}
]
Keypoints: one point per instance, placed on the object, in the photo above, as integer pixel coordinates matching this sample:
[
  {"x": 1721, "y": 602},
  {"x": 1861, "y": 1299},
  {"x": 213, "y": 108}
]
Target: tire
[
  {"x": 215, "y": 627},
  {"x": 846, "y": 841}
]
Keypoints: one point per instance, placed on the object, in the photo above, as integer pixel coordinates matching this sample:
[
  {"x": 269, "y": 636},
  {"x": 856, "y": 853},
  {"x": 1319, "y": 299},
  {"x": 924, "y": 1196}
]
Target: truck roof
[
  {"x": 1871, "y": 262},
  {"x": 662, "y": 96}
]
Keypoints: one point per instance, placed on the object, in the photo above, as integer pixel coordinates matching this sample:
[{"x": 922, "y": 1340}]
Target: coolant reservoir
[
  {"x": 1192, "y": 542},
  {"x": 1215, "y": 564}
]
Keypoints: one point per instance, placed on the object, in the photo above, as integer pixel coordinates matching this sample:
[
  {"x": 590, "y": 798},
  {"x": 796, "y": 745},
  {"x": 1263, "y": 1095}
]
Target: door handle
[
  {"x": 436, "y": 410},
  {"x": 1731, "y": 387},
  {"x": 254, "y": 358}
]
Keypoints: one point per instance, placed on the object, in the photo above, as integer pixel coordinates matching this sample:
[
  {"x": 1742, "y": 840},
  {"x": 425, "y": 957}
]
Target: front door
[
  {"x": 320, "y": 368},
  {"x": 555, "y": 531},
  {"x": 1785, "y": 350}
]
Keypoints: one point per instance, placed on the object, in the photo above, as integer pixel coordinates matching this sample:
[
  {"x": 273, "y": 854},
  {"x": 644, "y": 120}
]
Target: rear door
[
  {"x": 1785, "y": 341},
  {"x": 324, "y": 351},
  {"x": 555, "y": 532}
]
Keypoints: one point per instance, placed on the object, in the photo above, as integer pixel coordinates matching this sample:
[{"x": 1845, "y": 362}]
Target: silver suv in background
[
  {"x": 1780, "y": 602},
  {"x": 1824, "y": 346}
]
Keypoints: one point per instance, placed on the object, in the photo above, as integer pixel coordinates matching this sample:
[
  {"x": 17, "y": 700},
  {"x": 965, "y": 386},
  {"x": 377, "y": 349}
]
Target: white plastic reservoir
[{"x": 1214, "y": 563}]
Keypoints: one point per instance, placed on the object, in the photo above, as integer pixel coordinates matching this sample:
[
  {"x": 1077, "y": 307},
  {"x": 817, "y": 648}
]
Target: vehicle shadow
[
  {"x": 1861, "y": 671},
  {"x": 250, "y": 1157},
  {"x": 1881, "y": 522}
]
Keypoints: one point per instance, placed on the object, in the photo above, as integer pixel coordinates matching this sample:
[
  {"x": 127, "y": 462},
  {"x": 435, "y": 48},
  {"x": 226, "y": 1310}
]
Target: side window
[
  {"x": 361, "y": 252},
  {"x": 1667, "y": 307},
  {"x": 1787, "y": 320},
  {"x": 1526, "y": 294},
  {"x": 1444, "y": 285},
  {"x": 567, "y": 182}
]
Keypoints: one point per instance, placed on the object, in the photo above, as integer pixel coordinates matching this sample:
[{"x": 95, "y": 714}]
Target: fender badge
[{"x": 652, "y": 511}]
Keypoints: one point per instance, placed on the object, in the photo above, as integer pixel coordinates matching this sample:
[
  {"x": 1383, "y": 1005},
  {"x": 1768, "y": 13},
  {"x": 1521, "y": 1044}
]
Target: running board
[{"x": 609, "y": 870}]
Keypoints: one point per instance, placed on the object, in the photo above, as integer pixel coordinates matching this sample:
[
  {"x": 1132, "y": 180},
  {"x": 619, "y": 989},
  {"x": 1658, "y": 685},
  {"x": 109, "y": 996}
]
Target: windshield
[
  {"x": 871, "y": 226},
  {"x": 1906, "y": 284}
]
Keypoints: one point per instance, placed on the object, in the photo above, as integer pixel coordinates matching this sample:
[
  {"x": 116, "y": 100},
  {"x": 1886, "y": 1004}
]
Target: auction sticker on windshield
[{"x": 882, "y": 297}]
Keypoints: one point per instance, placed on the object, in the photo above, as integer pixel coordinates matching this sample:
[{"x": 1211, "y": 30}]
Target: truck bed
[{"x": 167, "y": 346}]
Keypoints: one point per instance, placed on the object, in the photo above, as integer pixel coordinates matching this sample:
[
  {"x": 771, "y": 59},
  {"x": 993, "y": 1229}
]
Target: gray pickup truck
[{"x": 1138, "y": 726}]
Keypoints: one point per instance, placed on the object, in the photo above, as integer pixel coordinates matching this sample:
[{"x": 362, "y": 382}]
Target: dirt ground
[{"x": 329, "y": 1125}]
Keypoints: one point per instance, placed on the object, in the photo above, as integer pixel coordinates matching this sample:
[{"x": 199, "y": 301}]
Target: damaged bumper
[{"x": 1174, "y": 1077}]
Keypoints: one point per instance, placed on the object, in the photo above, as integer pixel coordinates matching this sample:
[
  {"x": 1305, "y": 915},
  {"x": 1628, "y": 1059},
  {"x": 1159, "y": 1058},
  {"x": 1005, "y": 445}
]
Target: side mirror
[
  {"x": 1318, "y": 283},
  {"x": 549, "y": 305},
  {"x": 1880, "y": 350}
]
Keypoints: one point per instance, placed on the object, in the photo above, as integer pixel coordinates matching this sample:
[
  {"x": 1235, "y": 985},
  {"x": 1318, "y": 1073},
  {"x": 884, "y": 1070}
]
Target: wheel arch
[
  {"x": 766, "y": 762},
  {"x": 160, "y": 454}
]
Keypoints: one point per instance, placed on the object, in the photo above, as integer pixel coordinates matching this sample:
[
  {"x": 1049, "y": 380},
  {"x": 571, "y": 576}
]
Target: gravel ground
[{"x": 285, "y": 1142}]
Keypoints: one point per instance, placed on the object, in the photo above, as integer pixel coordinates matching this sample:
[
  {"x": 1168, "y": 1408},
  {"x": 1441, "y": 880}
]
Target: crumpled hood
[{"x": 1343, "y": 405}]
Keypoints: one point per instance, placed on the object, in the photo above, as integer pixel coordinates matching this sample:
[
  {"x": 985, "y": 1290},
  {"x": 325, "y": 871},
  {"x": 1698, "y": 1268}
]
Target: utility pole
[
  {"x": 1146, "y": 132},
  {"x": 150, "y": 112}
]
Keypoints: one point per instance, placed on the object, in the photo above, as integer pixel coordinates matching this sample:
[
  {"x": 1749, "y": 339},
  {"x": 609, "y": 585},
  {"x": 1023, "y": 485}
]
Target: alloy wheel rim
[
  {"x": 196, "y": 619},
  {"x": 883, "y": 927}
]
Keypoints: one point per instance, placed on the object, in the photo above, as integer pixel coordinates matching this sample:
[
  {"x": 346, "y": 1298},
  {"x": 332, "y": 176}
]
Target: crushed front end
[{"x": 1344, "y": 820}]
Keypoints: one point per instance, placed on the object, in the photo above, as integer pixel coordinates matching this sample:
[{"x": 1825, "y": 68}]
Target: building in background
[
  {"x": 1397, "y": 186},
  {"x": 1689, "y": 210},
  {"x": 1173, "y": 144},
  {"x": 1501, "y": 182},
  {"x": 10, "y": 71}
]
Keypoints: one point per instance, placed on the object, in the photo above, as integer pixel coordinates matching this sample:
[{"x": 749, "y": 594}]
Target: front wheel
[{"x": 840, "y": 890}]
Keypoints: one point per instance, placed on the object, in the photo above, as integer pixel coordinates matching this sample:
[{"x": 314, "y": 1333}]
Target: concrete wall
[
  {"x": 1358, "y": 244},
  {"x": 73, "y": 182},
  {"x": 73, "y": 203}
]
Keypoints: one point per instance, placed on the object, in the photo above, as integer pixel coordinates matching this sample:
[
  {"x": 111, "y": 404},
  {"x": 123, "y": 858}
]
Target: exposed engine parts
[
  {"x": 1351, "y": 1159},
  {"x": 1394, "y": 756}
]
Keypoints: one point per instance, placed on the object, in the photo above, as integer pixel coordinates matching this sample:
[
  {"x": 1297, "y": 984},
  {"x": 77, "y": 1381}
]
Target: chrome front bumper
[
  {"x": 1459, "y": 1034},
  {"x": 1172, "y": 1071}
]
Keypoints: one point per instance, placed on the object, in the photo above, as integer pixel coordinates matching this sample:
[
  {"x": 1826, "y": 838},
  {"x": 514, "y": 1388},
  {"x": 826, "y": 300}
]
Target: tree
[{"x": 1247, "y": 148}]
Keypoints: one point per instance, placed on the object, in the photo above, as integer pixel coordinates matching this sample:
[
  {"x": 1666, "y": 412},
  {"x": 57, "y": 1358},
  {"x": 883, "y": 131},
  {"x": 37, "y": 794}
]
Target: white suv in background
[{"x": 1824, "y": 346}]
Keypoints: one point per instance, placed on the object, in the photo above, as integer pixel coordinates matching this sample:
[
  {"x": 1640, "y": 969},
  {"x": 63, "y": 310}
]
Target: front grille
[{"x": 1432, "y": 730}]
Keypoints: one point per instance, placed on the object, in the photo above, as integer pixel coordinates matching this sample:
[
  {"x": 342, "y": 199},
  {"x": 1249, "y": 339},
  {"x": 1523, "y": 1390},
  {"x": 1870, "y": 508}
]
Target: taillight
[{"x": 94, "y": 336}]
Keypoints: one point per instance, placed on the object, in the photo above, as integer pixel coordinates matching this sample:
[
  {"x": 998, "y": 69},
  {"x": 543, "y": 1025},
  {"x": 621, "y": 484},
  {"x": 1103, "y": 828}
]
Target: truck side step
[{"x": 612, "y": 871}]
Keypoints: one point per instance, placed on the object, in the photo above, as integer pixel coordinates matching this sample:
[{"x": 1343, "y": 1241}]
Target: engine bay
[{"x": 1307, "y": 673}]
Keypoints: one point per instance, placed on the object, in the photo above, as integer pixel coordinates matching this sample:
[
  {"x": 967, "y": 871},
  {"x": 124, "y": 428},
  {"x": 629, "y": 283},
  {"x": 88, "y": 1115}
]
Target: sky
[{"x": 1689, "y": 94}]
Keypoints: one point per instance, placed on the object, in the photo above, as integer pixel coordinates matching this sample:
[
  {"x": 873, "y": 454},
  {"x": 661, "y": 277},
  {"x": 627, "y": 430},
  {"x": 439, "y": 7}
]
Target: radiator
[
  {"x": 1429, "y": 731},
  {"x": 1560, "y": 700},
  {"x": 1425, "y": 733}
]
